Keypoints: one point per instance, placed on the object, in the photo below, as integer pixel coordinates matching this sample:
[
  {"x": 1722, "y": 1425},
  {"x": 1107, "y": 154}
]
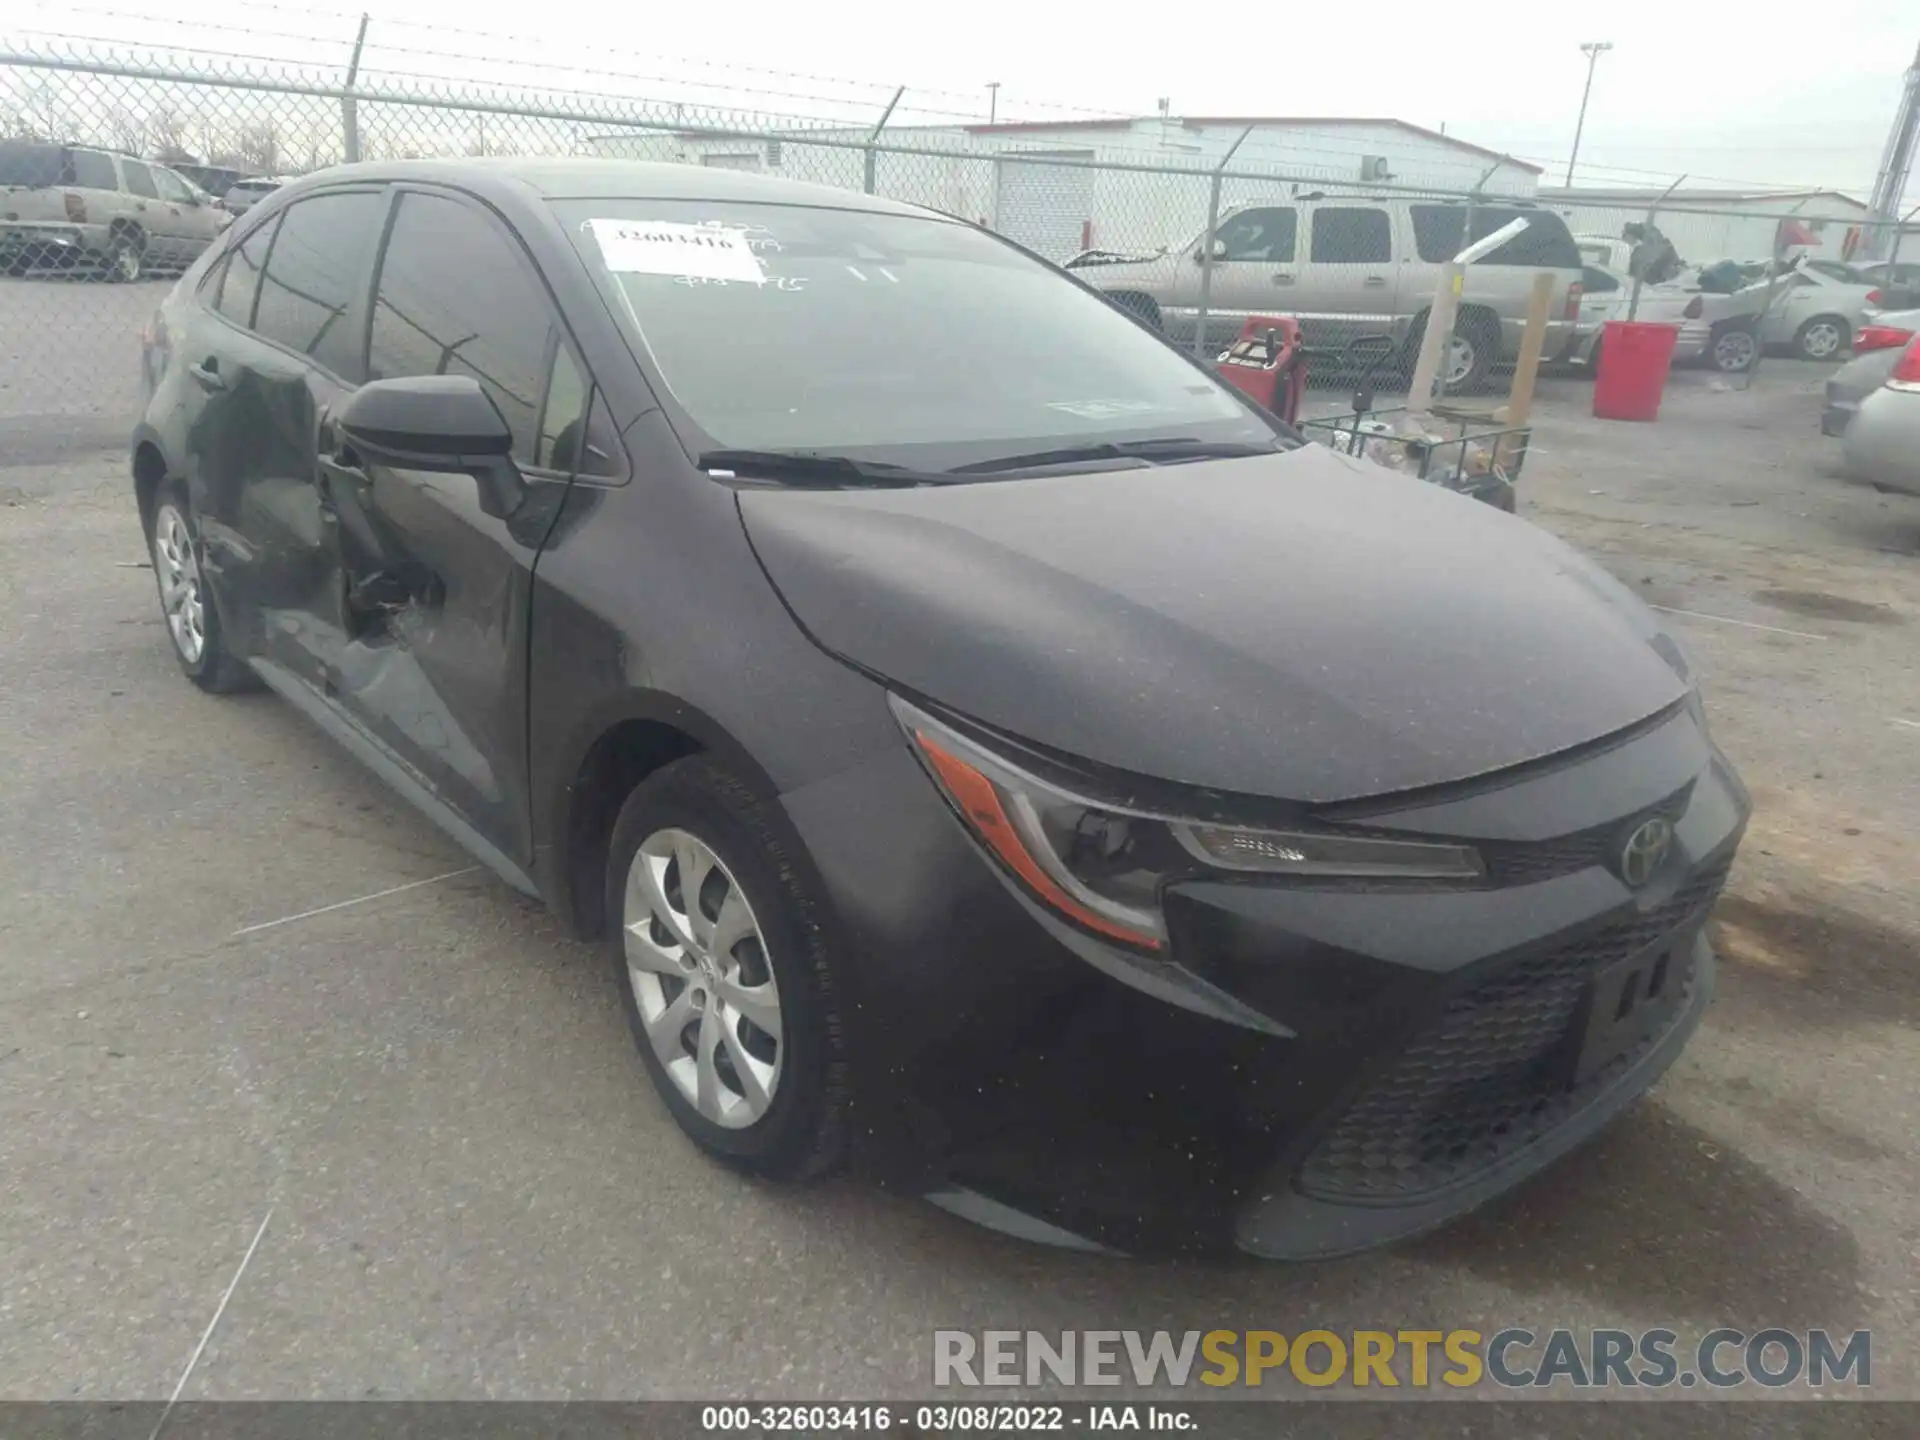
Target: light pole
[
  {"x": 1593, "y": 50},
  {"x": 993, "y": 100}
]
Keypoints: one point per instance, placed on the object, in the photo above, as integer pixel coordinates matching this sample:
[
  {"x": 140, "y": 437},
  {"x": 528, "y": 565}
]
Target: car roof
[{"x": 589, "y": 178}]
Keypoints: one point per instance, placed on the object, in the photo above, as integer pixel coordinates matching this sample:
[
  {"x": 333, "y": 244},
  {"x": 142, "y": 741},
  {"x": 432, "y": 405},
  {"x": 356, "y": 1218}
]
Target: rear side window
[
  {"x": 139, "y": 179},
  {"x": 1352, "y": 234},
  {"x": 241, "y": 284},
  {"x": 315, "y": 272},
  {"x": 94, "y": 171},
  {"x": 455, "y": 298},
  {"x": 1439, "y": 234}
]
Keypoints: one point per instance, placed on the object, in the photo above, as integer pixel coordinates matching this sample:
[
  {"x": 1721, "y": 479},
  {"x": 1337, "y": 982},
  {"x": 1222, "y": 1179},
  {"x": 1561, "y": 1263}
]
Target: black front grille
[
  {"x": 1490, "y": 1075},
  {"x": 1512, "y": 862}
]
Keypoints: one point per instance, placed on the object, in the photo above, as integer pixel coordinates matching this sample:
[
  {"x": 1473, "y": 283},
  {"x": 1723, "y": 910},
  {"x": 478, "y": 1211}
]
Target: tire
[
  {"x": 186, "y": 605},
  {"x": 1822, "y": 338},
  {"x": 1142, "y": 307},
  {"x": 126, "y": 258},
  {"x": 1734, "y": 347},
  {"x": 1471, "y": 350},
  {"x": 776, "y": 1110}
]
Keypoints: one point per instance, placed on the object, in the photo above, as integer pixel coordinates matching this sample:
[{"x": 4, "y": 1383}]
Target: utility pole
[
  {"x": 1593, "y": 50},
  {"x": 993, "y": 101}
]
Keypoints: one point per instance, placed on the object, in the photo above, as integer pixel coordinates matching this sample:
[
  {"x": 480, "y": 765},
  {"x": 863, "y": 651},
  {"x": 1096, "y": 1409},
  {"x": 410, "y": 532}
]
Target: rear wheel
[
  {"x": 1142, "y": 307},
  {"x": 724, "y": 972},
  {"x": 1735, "y": 347},
  {"x": 1469, "y": 354},
  {"x": 192, "y": 623}
]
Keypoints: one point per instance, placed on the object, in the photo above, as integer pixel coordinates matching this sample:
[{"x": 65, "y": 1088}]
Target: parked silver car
[
  {"x": 1816, "y": 314},
  {"x": 1883, "y": 442},
  {"x": 248, "y": 193},
  {"x": 1866, "y": 373},
  {"x": 1353, "y": 264},
  {"x": 70, "y": 205}
]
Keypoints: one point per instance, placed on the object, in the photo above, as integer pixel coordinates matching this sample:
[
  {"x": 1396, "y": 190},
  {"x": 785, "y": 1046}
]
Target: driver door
[
  {"x": 1254, "y": 272},
  {"x": 437, "y": 590}
]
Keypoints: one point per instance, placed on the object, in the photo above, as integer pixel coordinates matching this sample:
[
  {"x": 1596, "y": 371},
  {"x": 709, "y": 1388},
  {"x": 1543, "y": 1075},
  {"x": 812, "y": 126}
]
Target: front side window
[
  {"x": 914, "y": 340},
  {"x": 576, "y": 436},
  {"x": 316, "y": 270},
  {"x": 93, "y": 171},
  {"x": 240, "y": 286},
  {"x": 455, "y": 298},
  {"x": 173, "y": 188},
  {"x": 1260, "y": 235},
  {"x": 139, "y": 179}
]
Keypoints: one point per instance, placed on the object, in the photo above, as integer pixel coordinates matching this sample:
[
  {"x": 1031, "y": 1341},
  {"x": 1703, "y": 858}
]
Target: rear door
[
  {"x": 292, "y": 297},
  {"x": 438, "y": 589},
  {"x": 1350, "y": 283}
]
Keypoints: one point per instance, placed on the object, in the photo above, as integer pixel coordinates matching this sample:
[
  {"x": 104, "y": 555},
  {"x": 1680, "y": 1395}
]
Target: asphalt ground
[{"x": 248, "y": 998}]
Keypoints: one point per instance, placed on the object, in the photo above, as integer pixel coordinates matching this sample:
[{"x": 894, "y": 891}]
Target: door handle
[
  {"x": 1374, "y": 282},
  {"x": 207, "y": 374},
  {"x": 1282, "y": 277}
]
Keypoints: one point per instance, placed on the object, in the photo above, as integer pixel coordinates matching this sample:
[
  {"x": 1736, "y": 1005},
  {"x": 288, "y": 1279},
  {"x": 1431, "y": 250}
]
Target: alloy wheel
[
  {"x": 1460, "y": 358},
  {"x": 1820, "y": 340},
  {"x": 126, "y": 260},
  {"x": 1734, "y": 351},
  {"x": 179, "y": 574},
  {"x": 705, "y": 990}
]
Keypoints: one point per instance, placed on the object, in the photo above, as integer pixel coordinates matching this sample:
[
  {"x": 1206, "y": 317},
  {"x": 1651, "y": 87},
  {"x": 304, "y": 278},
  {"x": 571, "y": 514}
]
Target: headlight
[{"x": 1102, "y": 866}]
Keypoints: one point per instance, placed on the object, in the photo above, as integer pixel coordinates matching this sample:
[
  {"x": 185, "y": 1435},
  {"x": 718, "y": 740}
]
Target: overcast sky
[{"x": 1710, "y": 90}]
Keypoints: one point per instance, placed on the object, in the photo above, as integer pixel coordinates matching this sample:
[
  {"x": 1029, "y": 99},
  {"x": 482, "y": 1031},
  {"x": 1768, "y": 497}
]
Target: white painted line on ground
[
  {"x": 219, "y": 1310},
  {"x": 357, "y": 900},
  {"x": 1910, "y": 724},
  {"x": 1744, "y": 624}
]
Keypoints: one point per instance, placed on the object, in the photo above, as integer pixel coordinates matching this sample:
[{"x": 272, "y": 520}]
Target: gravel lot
[{"x": 473, "y": 1194}]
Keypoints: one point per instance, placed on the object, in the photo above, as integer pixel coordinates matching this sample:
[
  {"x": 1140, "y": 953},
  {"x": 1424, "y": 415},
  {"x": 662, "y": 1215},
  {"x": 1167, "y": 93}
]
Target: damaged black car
[{"x": 993, "y": 754}]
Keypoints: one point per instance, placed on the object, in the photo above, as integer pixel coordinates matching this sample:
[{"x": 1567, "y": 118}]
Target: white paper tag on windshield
[{"x": 665, "y": 247}]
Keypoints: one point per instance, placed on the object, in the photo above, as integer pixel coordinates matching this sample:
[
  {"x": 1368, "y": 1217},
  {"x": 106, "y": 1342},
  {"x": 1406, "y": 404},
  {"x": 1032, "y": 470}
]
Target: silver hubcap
[
  {"x": 1734, "y": 350},
  {"x": 700, "y": 976},
  {"x": 1459, "y": 358},
  {"x": 179, "y": 576},
  {"x": 1822, "y": 340},
  {"x": 127, "y": 260}
]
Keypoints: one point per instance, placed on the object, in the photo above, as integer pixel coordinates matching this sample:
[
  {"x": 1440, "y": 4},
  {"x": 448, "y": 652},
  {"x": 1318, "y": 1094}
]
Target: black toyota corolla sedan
[{"x": 992, "y": 753}]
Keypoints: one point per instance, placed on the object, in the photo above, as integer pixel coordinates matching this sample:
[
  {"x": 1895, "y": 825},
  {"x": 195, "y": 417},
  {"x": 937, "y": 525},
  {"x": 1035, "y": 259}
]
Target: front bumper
[{"x": 1319, "y": 1068}]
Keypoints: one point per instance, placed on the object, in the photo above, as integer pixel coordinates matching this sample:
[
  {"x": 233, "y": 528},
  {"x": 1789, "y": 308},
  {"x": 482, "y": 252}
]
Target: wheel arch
[
  {"x": 620, "y": 746},
  {"x": 150, "y": 472}
]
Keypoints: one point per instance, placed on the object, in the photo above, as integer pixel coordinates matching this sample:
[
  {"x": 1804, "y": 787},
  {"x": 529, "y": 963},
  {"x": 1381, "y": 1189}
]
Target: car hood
[{"x": 1305, "y": 626}]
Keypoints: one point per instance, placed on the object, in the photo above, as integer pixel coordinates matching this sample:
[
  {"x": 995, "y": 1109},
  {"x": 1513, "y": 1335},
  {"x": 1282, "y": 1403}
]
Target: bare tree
[
  {"x": 169, "y": 135},
  {"x": 126, "y": 130},
  {"x": 258, "y": 147}
]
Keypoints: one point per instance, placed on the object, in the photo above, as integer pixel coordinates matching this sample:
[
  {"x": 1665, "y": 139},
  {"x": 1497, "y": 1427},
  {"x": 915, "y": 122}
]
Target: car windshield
[{"x": 908, "y": 340}]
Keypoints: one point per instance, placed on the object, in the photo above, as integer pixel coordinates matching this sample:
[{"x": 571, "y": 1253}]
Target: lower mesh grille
[{"x": 1490, "y": 1075}]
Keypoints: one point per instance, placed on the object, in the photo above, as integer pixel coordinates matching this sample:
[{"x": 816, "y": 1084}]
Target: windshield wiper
[
  {"x": 1165, "y": 449},
  {"x": 813, "y": 468}
]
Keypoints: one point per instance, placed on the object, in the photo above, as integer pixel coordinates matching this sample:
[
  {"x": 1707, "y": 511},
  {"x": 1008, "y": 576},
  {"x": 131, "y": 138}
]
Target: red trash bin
[{"x": 1634, "y": 357}]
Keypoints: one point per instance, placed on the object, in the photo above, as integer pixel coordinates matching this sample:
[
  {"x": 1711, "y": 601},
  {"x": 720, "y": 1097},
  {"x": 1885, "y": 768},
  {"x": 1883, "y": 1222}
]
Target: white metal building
[
  {"x": 1709, "y": 225},
  {"x": 1061, "y": 187}
]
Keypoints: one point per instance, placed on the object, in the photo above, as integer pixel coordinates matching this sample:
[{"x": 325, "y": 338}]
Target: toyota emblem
[{"x": 1646, "y": 847}]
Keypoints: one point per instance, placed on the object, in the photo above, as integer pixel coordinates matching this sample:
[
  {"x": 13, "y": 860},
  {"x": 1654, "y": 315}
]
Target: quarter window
[
  {"x": 316, "y": 270},
  {"x": 456, "y": 298}
]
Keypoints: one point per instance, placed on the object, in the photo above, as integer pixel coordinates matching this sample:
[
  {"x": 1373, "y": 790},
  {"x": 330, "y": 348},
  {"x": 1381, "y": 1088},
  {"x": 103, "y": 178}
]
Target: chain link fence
[{"x": 117, "y": 168}]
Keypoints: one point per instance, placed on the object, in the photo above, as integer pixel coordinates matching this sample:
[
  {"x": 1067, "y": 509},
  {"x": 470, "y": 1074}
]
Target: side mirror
[
  {"x": 1217, "y": 248},
  {"x": 445, "y": 423}
]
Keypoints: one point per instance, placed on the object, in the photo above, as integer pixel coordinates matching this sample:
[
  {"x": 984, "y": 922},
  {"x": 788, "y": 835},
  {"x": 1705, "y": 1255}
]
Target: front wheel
[
  {"x": 1821, "y": 338},
  {"x": 126, "y": 259},
  {"x": 724, "y": 973},
  {"x": 192, "y": 623}
]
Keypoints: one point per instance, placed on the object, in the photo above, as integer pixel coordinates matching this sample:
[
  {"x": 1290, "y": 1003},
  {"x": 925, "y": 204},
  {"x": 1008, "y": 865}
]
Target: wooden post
[
  {"x": 1446, "y": 303},
  {"x": 1526, "y": 369}
]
